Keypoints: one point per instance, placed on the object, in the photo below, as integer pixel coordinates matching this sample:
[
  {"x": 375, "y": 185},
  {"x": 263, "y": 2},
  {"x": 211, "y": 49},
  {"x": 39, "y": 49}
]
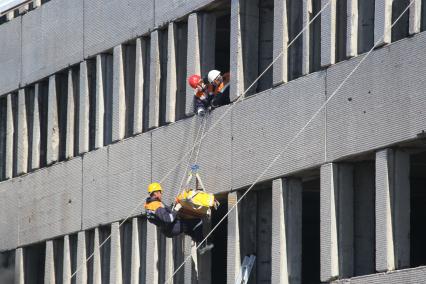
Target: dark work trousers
[
  {"x": 221, "y": 98},
  {"x": 190, "y": 227}
]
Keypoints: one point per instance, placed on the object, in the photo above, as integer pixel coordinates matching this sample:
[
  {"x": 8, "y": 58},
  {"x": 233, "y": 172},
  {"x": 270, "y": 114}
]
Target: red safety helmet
[{"x": 193, "y": 80}]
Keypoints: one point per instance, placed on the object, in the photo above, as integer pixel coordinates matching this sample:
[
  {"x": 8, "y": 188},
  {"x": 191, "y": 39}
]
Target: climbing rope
[
  {"x": 197, "y": 142},
  {"x": 290, "y": 142}
]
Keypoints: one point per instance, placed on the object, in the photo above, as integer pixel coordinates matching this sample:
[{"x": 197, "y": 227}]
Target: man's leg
[
  {"x": 194, "y": 229},
  {"x": 221, "y": 98},
  {"x": 199, "y": 107}
]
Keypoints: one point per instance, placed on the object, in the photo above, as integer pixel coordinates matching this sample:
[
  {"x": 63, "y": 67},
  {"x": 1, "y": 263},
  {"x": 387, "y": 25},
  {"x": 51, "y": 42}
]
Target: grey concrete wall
[
  {"x": 406, "y": 276},
  {"x": 376, "y": 107},
  {"x": 9, "y": 218},
  {"x": 261, "y": 128},
  {"x": 244, "y": 142},
  {"x": 167, "y": 10},
  {"x": 10, "y": 55},
  {"x": 115, "y": 179},
  {"x": 52, "y": 39},
  {"x": 44, "y": 204},
  {"x": 109, "y": 23},
  {"x": 49, "y": 202}
]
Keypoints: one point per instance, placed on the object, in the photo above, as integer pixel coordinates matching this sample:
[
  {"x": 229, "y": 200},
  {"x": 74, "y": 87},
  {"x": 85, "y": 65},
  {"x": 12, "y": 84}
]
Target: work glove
[
  {"x": 201, "y": 112},
  {"x": 177, "y": 207}
]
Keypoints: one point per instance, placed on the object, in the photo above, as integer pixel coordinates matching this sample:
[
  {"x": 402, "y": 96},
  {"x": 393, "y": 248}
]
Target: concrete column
[
  {"x": 49, "y": 266},
  {"x": 97, "y": 278},
  {"x": 328, "y": 33},
  {"x": 237, "y": 67},
  {"x": 22, "y": 140},
  {"x": 193, "y": 65},
  {"x": 100, "y": 103},
  {"x": 10, "y": 129},
  {"x": 139, "y": 86},
  {"x": 415, "y": 17},
  {"x": 69, "y": 142},
  {"x": 352, "y": 28},
  {"x": 154, "y": 85},
  {"x": 345, "y": 218},
  {"x": 233, "y": 256},
  {"x": 280, "y": 42},
  {"x": 66, "y": 265},
  {"x": 287, "y": 231},
  {"x": 10, "y": 15},
  {"x": 169, "y": 260},
  {"x": 187, "y": 268},
  {"x": 36, "y": 3},
  {"x": 336, "y": 221},
  {"x": 118, "y": 96},
  {"x": 171, "y": 88},
  {"x": 84, "y": 108},
  {"x": 306, "y": 14},
  {"x": 152, "y": 269},
  {"x": 52, "y": 152},
  {"x": 24, "y": 9},
  {"x": 382, "y": 22},
  {"x": 136, "y": 260},
  {"x": 115, "y": 276},
  {"x": 19, "y": 266},
  {"x": 329, "y": 257},
  {"x": 392, "y": 210},
  {"x": 35, "y": 147},
  {"x": 81, "y": 275},
  {"x": 190, "y": 267}
]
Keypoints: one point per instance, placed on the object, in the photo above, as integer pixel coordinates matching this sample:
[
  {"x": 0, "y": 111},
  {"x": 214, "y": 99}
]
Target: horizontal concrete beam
[
  {"x": 60, "y": 25},
  {"x": 378, "y": 91},
  {"x": 406, "y": 276},
  {"x": 10, "y": 55}
]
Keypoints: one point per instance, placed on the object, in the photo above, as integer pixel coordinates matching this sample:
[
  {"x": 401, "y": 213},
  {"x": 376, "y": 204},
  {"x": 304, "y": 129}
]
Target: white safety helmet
[{"x": 213, "y": 74}]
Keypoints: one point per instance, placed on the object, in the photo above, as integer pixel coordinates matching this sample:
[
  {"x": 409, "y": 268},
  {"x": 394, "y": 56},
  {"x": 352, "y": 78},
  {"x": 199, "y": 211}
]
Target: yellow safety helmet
[{"x": 155, "y": 186}]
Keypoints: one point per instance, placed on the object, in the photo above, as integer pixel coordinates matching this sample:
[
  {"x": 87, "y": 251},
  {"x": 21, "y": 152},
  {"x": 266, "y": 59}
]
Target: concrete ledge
[
  {"x": 382, "y": 103},
  {"x": 9, "y": 216},
  {"x": 10, "y": 55},
  {"x": 166, "y": 10},
  {"x": 406, "y": 276},
  {"x": 52, "y": 39},
  {"x": 110, "y": 23},
  {"x": 264, "y": 124},
  {"x": 49, "y": 202}
]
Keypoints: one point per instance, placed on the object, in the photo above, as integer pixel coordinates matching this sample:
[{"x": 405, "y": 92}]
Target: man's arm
[{"x": 165, "y": 215}]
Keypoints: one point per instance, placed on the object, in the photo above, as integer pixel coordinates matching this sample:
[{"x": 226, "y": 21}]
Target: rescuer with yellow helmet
[{"x": 166, "y": 218}]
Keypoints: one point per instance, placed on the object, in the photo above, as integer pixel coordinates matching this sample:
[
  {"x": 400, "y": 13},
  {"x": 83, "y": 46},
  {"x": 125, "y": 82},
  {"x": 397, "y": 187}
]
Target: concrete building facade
[{"x": 94, "y": 105}]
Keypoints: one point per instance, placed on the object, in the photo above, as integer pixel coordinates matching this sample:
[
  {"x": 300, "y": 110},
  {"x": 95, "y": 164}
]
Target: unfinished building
[{"x": 94, "y": 105}]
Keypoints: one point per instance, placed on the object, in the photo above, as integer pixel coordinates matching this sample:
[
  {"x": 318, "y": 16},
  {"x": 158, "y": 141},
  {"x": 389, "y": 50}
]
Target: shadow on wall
[{"x": 7, "y": 267}]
